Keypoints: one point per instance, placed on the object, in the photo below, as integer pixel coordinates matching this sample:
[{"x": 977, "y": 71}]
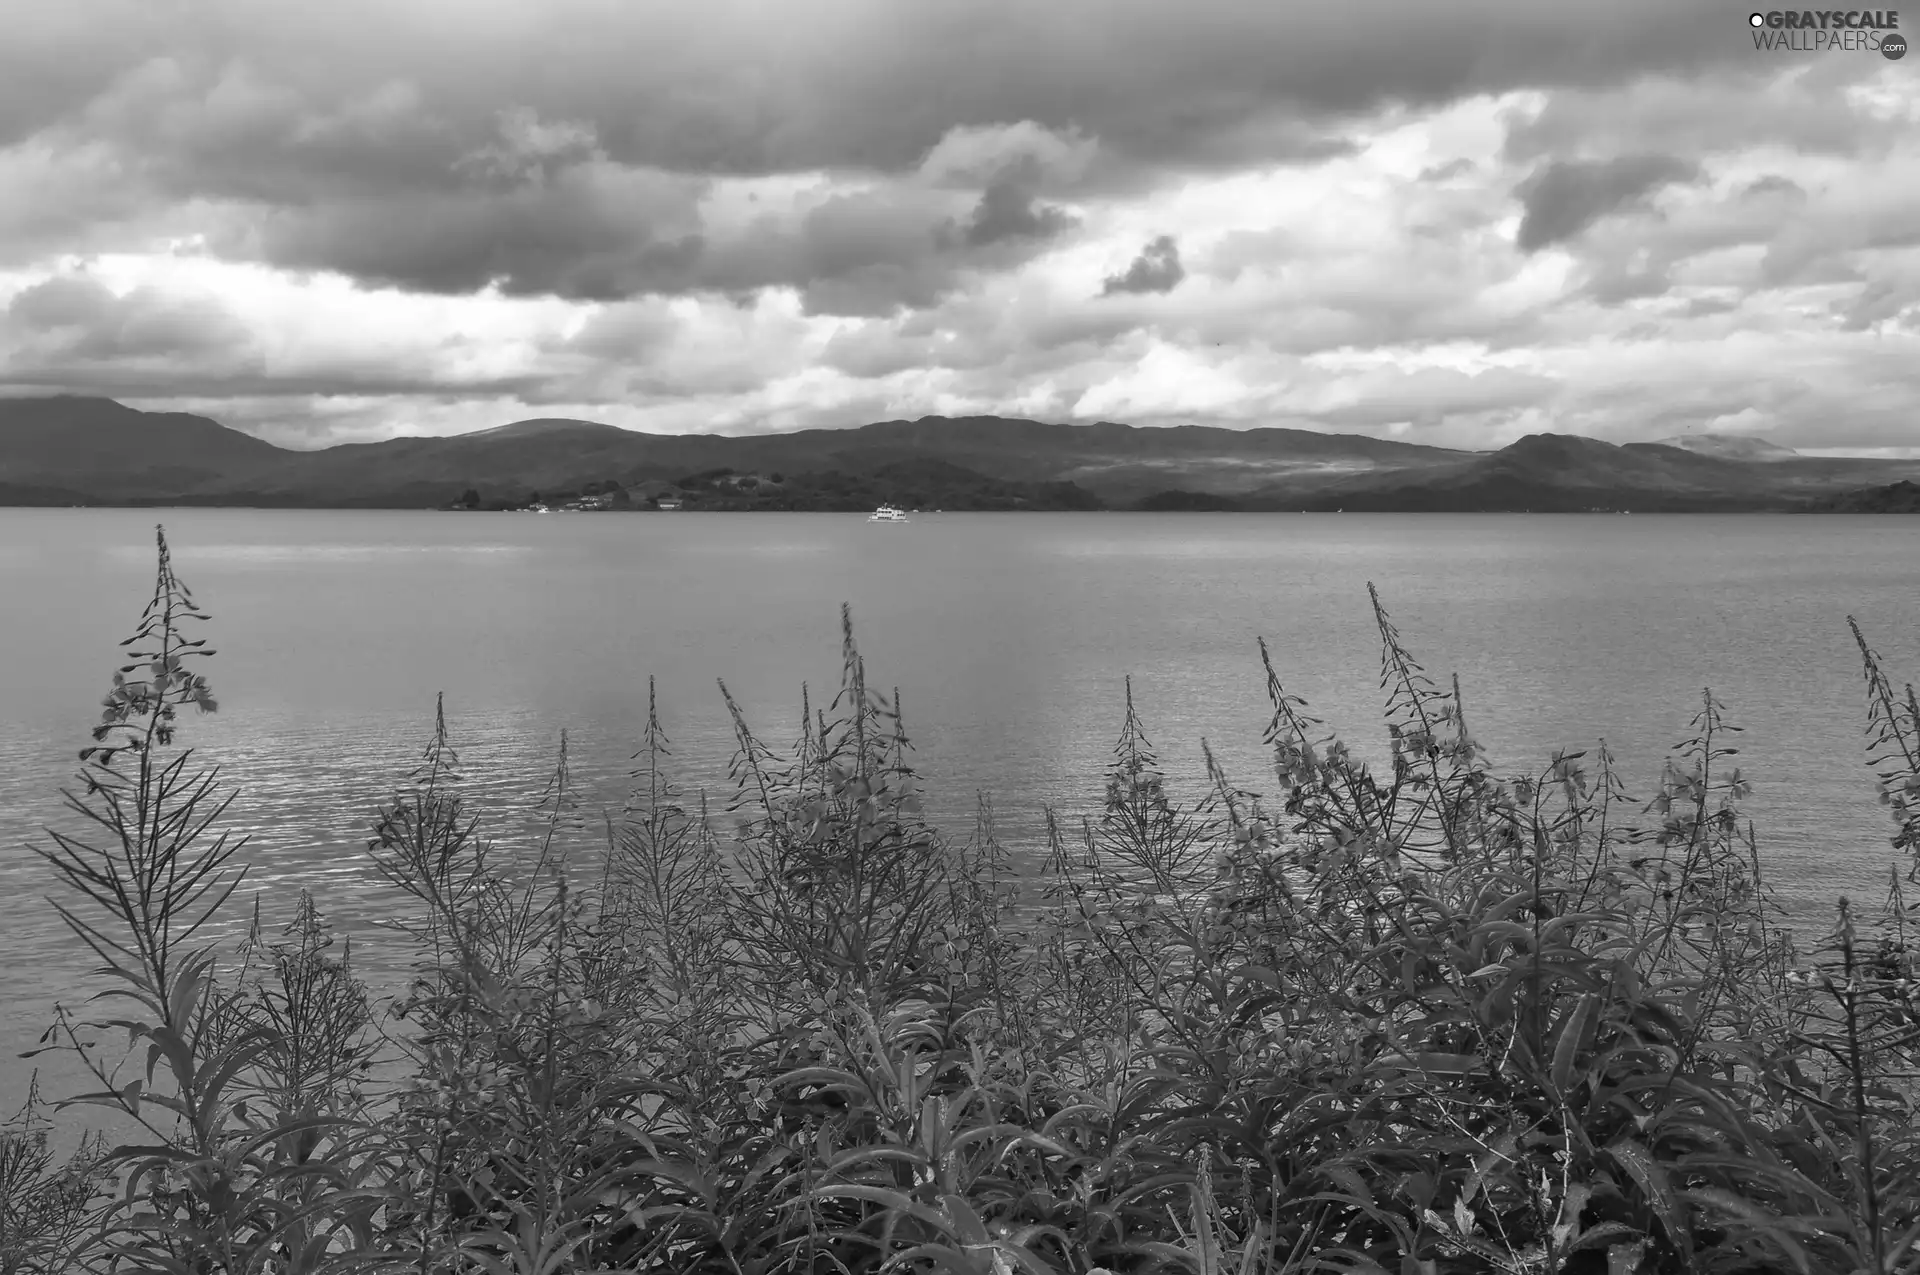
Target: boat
[{"x": 886, "y": 513}]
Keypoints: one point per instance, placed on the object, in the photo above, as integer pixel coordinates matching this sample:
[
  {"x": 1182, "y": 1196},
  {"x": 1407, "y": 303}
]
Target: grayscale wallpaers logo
[{"x": 1830, "y": 30}]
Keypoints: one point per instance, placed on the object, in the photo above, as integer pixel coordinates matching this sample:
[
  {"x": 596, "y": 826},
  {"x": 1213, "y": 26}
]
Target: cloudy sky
[{"x": 1452, "y": 223}]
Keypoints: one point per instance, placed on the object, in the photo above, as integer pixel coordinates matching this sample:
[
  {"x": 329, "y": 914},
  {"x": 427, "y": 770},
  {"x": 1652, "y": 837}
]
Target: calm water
[{"x": 1007, "y": 634}]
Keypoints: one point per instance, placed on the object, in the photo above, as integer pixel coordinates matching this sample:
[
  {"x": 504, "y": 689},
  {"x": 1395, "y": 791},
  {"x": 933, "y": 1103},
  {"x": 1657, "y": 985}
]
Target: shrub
[
  {"x": 1421, "y": 1020},
  {"x": 705, "y": 480}
]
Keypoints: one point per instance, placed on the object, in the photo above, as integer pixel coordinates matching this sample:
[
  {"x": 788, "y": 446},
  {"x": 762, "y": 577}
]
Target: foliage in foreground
[{"x": 1422, "y": 1021}]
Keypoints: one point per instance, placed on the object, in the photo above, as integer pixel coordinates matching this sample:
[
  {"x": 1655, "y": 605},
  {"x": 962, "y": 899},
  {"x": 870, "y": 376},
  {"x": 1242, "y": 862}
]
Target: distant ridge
[
  {"x": 79, "y": 450},
  {"x": 1564, "y": 473}
]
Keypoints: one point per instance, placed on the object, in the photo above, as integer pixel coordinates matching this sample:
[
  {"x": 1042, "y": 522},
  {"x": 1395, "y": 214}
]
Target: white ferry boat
[{"x": 887, "y": 513}]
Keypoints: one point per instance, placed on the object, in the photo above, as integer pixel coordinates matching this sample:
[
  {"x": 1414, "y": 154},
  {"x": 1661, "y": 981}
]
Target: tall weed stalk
[{"x": 1418, "y": 1019}]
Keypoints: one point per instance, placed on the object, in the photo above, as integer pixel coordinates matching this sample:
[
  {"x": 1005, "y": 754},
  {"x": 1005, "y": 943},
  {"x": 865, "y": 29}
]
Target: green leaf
[
  {"x": 1609, "y": 1234},
  {"x": 1574, "y": 1027},
  {"x": 1624, "y": 1259},
  {"x": 1448, "y": 1064},
  {"x": 1651, "y": 1177},
  {"x": 965, "y": 1222}
]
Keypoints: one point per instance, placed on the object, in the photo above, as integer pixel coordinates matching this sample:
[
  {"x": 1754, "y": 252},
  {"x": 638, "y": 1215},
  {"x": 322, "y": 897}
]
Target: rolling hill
[
  {"x": 95, "y": 448},
  {"x": 1561, "y": 473},
  {"x": 76, "y": 450}
]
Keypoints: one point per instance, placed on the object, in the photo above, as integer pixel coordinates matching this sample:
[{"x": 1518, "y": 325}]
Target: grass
[{"x": 1426, "y": 1020}]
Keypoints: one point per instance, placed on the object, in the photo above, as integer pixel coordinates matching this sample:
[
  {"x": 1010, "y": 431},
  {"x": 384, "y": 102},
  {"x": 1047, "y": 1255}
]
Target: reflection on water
[
  {"x": 1008, "y": 635},
  {"x": 1201, "y": 548}
]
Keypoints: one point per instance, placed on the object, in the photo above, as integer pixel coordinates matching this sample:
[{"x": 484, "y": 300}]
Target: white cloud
[{"x": 320, "y": 250}]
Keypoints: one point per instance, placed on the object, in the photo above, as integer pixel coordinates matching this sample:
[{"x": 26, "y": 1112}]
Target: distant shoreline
[
  {"x": 96, "y": 453},
  {"x": 949, "y": 513}
]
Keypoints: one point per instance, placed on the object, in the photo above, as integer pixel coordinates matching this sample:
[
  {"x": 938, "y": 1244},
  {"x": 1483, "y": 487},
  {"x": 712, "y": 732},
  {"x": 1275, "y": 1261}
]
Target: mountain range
[{"x": 73, "y": 450}]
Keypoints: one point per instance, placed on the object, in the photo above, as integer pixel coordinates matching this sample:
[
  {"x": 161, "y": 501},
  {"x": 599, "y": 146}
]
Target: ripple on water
[
  {"x": 308, "y": 553},
  {"x": 1009, "y": 636}
]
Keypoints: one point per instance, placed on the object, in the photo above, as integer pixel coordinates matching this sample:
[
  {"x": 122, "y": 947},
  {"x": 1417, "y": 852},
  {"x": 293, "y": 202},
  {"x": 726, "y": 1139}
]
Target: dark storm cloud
[
  {"x": 1156, "y": 269},
  {"x": 74, "y": 334},
  {"x": 216, "y": 382},
  {"x": 1617, "y": 285},
  {"x": 1810, "y": 111},
  {"x": 1009, "y": 209},
  {"x": 194, "y": 130},
  {"x": 320, "y": 132},
  {"x": 885, "y": 160},
  {"x": 82, "y": 319},
  {"x": 595, "y": 236},
  {"x": 1880, "y": 300},
  {"x": 745, "y": 87},
  {"x": 870, "y": 253},
  {"x": 592, "y": 230},
  {"x": 1563, "y": 199},
  {"x": 55, "y": 58}
]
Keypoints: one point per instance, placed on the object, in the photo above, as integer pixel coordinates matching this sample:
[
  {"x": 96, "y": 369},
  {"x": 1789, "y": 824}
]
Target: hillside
[
  {"x": 95, "y": 448},
  {"x": 1730, "y": 446},
  {"x": 1559, "y": 473},
  {"x": 1895, "y": 498},
  {"x": 80, "y": 443},
  {"x": 1121, "y": 463},
  {"x": 910, "y": 484},
  {"x": 72, "y": 450},
  {"x": 1127, "y": 463}
]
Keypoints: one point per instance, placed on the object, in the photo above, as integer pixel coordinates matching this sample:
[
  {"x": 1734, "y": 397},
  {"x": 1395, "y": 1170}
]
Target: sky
[{"x": 1447, "y": 223}]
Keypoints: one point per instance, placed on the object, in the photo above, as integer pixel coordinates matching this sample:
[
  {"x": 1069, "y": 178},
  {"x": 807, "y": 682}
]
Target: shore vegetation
[{"x": 1420, "y": 1018}]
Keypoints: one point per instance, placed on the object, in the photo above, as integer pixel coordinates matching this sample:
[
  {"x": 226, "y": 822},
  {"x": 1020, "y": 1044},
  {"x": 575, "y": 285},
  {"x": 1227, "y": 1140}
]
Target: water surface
[{"x": 1008, "y": 636}]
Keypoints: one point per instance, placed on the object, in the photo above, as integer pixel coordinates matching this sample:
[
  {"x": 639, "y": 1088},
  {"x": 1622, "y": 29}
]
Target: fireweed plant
[{"x": 1419, "y": 1020}]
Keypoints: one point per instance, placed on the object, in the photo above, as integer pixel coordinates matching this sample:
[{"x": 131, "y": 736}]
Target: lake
[{"x": 1008, "y": 636}]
